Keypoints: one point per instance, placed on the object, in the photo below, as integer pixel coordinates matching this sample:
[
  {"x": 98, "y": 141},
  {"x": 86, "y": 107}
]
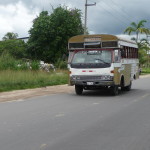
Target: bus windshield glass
[{"x": 92, "y": 56}]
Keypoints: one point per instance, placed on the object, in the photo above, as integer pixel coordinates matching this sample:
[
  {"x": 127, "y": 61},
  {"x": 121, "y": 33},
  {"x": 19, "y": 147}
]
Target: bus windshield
[{"x": 92, "y": 56}]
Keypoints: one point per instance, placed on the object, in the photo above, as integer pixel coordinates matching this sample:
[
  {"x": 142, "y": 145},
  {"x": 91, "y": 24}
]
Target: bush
[
  {"x": 7, "y": 62},
  {"x": 60, "y": 64},
  {"x": 145, "y": 70},
  {"x": 35, "y": 65}
]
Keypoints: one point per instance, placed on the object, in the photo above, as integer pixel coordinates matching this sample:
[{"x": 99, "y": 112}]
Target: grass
[
  {"x": 145, "y": 71},
  {"x": 14, "y": 80}
]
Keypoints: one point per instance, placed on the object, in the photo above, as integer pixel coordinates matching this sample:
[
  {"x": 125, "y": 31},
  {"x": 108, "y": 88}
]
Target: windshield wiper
[{"x": 103, "y": 61}]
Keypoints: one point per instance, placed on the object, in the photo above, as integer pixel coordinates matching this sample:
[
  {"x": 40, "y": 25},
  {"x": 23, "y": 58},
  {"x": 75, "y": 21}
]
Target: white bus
[{"x": 102, "y": 61}]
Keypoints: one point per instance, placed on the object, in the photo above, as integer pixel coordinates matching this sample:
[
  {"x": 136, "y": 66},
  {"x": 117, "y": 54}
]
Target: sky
[{"x": 107, "y": 17}]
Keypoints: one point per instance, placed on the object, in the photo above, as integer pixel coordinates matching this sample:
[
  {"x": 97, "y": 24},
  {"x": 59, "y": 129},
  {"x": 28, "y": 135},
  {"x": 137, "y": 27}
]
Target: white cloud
[
  {"x": 16, "y": 18},
  {"x": 108, "y": 16}
]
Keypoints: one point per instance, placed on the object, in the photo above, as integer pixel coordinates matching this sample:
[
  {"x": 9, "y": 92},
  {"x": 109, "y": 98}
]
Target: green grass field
[
  {"x": 145, "y": 71},
  {"x": 14, "y": 80}
]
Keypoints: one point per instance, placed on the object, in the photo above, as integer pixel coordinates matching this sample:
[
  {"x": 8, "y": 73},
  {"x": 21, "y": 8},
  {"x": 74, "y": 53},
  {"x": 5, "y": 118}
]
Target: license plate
[{"x": 90, "y": 83}]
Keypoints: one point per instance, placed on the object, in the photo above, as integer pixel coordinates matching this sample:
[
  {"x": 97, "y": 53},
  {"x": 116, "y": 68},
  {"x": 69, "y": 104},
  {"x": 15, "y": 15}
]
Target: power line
[
  {"x": 122, "y": 11},
  {"x": 115, "y": 16}
]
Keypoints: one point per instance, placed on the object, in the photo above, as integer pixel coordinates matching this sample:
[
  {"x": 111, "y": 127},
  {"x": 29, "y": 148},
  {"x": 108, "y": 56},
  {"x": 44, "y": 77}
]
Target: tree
[
  {"x": 10, "y": 36},
  {"x": 137, "y": 29},
  {"x": 50, "y": 33},
  {"x": 144, "y": 48},
  {"x": 16, "y": 48}
]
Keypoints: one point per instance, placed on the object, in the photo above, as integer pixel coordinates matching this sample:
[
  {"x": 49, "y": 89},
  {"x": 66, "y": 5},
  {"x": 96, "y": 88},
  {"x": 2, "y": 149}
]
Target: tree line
[
  {"x": 49, "y": 34},
  {"x": 143, "y": 43}
]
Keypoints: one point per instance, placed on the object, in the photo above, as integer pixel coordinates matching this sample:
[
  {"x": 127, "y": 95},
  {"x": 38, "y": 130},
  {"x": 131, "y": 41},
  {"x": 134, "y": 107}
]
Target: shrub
[
  {"x": 7, "y": 62},
  {"x": 60, "y": 64},
  {"x": 35, "y": 65}
]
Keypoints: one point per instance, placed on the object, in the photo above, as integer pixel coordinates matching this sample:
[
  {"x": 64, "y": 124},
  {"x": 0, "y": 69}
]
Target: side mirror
[{"x": 68, "y": 66}]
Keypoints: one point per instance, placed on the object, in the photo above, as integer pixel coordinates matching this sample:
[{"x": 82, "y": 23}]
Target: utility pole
[{"x": 85, "y": 21}]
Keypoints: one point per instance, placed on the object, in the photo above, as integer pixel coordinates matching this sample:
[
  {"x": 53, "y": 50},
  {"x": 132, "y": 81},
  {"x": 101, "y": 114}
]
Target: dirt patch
[
  {"x": 145, "y": 76},
  {"x": 28, "y": 93}
]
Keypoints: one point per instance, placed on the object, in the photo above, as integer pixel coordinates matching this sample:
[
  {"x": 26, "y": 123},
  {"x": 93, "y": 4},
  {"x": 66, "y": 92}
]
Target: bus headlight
[
  {"x": 75, "y": 78},
  {"x": 107, "y": 77}
]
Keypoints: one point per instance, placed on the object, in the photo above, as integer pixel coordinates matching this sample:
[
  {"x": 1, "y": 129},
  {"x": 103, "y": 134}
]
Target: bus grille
[{"x": 88, "y": 77}]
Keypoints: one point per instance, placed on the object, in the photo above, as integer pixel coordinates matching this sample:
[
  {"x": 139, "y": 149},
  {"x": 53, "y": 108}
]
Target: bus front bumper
[
  {"x": 91, "y": 81},
  {"x": 105, "y": 80}
]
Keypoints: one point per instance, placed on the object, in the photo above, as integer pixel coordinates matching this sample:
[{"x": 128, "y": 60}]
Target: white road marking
[
  {"x": 60, "y": 115},
  {"x": 95, "y": 103},
  {"x": 146, "y": 95},
  {"x": 43, "y": 146},
  {"x": 140, "y": 98}
]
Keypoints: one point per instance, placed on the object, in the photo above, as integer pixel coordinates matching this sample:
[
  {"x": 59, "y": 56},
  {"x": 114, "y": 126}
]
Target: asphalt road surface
[{"x": 94, "y": 121}]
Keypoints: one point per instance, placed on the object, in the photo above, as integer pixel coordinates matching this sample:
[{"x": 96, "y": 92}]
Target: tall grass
[
  {"x": 8, "y": 62},
  {"x": 13, "y": 80},
  {"x": 145, "y": 70}
]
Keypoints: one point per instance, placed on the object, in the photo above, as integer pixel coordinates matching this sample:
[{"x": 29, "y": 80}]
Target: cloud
[
  {"x": 16, "y": 18},
  {"x": 108, "y": 16},
  {"x": 114, "y": 16}
]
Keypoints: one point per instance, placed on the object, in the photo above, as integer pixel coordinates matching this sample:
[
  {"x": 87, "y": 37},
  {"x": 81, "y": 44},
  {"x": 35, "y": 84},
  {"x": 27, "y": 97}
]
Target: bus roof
[{"x": 103, "y": 37}]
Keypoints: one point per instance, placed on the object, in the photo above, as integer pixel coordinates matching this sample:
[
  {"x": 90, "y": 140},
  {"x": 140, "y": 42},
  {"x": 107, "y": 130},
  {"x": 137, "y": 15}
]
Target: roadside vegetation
[
  {"x": 145, "y": 71},
  {"x": 23, "y": 74},
  {"x": 48, "y": 37},
  {"x": 138, "y": 29},
  {"x": 14, "y": 80}
]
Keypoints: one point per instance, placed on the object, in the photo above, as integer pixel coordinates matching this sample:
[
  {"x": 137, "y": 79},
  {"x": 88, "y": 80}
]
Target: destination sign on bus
[{"x": 92, "y": 39}]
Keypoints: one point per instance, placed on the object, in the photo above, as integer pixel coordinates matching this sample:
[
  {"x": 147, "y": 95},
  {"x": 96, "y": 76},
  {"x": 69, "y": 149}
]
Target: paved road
[{"x": 93, "y": 121}]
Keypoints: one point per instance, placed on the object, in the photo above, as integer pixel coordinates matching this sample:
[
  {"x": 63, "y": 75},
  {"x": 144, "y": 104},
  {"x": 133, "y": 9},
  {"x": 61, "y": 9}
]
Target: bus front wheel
[
  {"x": 78, "y": 89},
  {"x": 114, "y": 90}
]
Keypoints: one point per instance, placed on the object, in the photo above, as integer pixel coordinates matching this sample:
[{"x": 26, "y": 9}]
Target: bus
[{"x": 102, "y": 61}]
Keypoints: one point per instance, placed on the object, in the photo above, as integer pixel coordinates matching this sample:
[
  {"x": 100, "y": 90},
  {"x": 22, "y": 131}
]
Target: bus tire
[
  {"x": 78, "y": 89},
  {"x": 128, "y": 88},
  {"x": 114, "y": 90},
  {"x": 122, "y": 84}
]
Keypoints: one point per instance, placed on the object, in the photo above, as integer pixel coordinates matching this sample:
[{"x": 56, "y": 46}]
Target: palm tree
[
  {"x": 144, "y": 47},
  {"x": 10, "y": 36},
  {"x": 137, "y": 29},
  {"x": 143, "y": 43}
]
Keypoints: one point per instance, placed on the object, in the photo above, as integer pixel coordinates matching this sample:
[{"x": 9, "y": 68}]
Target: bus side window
[{"x": 123, "y": 53}]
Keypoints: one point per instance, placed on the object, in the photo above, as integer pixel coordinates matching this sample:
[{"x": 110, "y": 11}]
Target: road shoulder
[{"x": 28, "y": 93}]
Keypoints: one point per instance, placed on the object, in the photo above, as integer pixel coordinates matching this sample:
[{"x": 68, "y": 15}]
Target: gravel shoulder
[{"x": 28, "y": 93}]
